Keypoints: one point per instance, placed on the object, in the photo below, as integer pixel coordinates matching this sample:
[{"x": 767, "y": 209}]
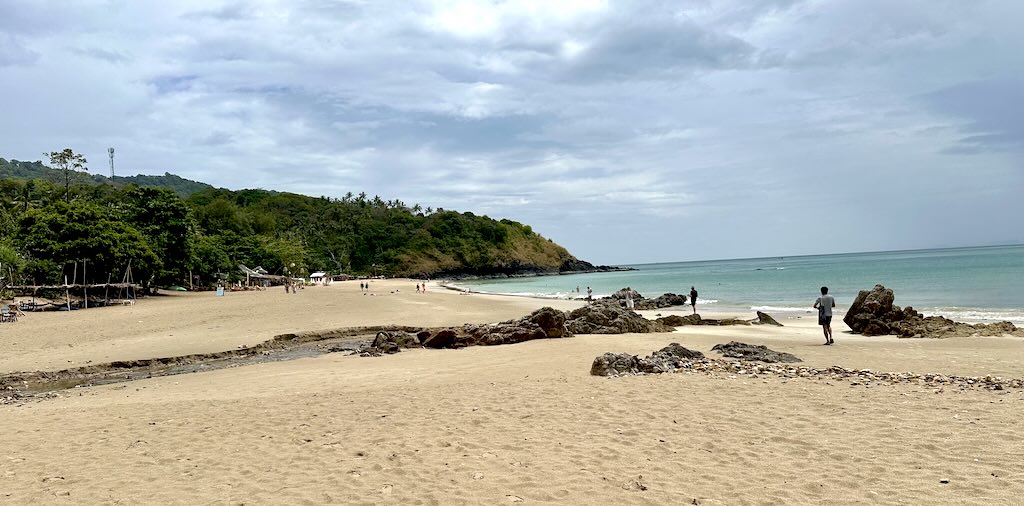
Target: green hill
[
  {"x": 176, "y": 231},
  {"x": 36, "y": 170}
]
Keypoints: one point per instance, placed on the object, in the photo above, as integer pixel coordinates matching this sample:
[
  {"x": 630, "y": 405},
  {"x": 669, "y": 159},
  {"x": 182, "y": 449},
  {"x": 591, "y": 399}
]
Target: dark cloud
[
  {"x": 991, "y": 113},
  {"x": 239, "y": 11},
  {"x": 102, "y": 54},
  {"x": 660, "y": 47}
]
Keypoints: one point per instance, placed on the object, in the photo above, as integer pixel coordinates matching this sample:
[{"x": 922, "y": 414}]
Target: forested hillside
[
  {"x": 36, "y": 170},
  {"x": 172, "y": 240}
]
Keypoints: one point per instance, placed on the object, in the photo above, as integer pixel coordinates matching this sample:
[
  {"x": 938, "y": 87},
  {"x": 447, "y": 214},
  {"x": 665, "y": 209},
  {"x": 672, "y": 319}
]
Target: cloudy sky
[{"x": 632, "y": 131}]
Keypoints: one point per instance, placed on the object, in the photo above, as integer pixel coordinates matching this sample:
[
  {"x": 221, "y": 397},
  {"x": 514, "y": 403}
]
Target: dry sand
[{"x": 523, "y": 423}]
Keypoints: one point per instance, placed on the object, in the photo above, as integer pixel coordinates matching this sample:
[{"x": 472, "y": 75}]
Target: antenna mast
[{"x": 110, "y": 151}]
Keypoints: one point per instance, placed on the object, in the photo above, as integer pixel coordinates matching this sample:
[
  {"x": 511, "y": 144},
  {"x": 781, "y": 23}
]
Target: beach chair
[{"x": 6, "y": 315}]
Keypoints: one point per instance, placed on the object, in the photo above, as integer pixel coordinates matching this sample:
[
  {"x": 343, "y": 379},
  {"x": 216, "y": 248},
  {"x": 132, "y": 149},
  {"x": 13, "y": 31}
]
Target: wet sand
[{"x": 512, "y": 424}]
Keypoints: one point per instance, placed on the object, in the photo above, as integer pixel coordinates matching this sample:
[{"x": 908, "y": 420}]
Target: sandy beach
[{"x": 515, "y": 424}]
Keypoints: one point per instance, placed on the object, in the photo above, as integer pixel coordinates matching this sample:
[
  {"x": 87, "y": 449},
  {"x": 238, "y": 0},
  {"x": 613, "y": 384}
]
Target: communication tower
[{"x": 110, "y": 151}]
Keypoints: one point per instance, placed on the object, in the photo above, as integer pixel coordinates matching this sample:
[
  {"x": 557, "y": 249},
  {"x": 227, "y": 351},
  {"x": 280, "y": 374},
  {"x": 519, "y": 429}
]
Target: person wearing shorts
[
  {"x": 824, "y": 304},
  {"x": 693, "y": 299}
]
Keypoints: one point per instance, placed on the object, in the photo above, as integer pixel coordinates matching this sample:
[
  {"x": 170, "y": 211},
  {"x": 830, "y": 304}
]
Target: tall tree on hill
[{"x": 67, "y": 161}]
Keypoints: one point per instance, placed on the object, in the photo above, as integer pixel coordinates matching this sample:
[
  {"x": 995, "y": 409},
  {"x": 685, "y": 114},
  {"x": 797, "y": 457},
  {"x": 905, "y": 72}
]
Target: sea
[{"x": 977, "y": 284}]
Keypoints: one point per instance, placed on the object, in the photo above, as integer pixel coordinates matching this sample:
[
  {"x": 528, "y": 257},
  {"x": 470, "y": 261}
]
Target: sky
[{"x": 629, "y": 132}]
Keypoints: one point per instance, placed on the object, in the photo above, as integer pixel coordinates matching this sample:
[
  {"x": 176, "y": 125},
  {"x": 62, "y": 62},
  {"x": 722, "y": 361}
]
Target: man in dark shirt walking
[{"x": 693, "y": 299}]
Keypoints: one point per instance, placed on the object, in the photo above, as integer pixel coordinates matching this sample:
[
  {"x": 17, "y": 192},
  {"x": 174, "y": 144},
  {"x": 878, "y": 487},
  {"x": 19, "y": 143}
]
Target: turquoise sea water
[{"x": 967, "y": 284}]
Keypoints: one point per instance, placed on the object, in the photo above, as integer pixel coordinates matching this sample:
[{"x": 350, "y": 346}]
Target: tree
[
  {"x": 165, "y": 220},
  {"x": 67, "y": 161},
  {"x": 62, "y": 234}
]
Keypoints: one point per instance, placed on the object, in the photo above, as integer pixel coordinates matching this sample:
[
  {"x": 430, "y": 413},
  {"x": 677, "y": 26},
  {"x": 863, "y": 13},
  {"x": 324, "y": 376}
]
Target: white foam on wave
[
  {"x": 1015, "y": 316},
  {"x": 781, "y": 309}
]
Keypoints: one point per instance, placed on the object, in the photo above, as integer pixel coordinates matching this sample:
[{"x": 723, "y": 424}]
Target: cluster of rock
[
  {"x": 607, "y": 316},
  {"x": 604, "y": 316},
  {"x": 675, "y": 356},
  {"x": 641, "y": 302},
  {"x": 695, "y": 319},
  {"x": 544, "y": 323},
  {"x": 749, "y": 352},
  {"x": 874, "y": 314},
  {"x": 667, "y": 359},
  {"x": 863, "y": 377}
]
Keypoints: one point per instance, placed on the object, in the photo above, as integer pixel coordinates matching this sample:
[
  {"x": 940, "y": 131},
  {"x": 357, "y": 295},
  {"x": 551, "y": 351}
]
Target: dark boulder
[
  {"x": 679, "y": 321},
  {"x": 551, "y": 321},
  {"x": 668, "y": 359},
  {"x": 745, "y": 351},
  {"x": 614, "y": 364},
  {"x": 871, "y": 311},
  {"x": 766, "y": 319},
  {"x": 666, "y": 300},
  {"x": 444, "y": 338}
]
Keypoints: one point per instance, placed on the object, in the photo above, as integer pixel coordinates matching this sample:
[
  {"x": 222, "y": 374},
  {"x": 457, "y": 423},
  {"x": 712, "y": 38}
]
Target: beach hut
[{"x": 319, "y": 278}]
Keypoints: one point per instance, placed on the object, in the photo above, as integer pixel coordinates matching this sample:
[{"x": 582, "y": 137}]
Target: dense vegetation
[
  {"x": 168, "y": 239},
  {"x": 36, "y": 170}
]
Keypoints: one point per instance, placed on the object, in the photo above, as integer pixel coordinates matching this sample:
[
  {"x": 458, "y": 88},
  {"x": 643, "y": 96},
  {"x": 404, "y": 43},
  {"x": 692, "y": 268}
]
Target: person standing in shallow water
[
  {"x": 824, "y": 304},
  {"x": 693, "y": 299}
]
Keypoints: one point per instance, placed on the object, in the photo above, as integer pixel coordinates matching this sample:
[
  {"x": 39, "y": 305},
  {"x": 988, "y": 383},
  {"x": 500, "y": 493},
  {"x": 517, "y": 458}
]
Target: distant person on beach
[
  {"x": 590, "y": 294},
  {"x": 824, "y": 304},
  {"x": 629, "y": 298},
  {"x": 693, "y": 299}
]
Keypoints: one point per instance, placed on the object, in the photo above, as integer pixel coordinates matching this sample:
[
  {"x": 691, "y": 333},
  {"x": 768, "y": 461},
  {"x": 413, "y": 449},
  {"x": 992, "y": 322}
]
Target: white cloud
[{"x": 586, "y": 119}]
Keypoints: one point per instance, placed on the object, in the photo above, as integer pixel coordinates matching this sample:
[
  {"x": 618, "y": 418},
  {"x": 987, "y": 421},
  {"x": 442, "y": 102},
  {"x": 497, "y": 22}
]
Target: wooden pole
[
  {"x": 85, "y": 285},
  {"x": 67, "y": 292},
  {"x": 106, "y": 292}
]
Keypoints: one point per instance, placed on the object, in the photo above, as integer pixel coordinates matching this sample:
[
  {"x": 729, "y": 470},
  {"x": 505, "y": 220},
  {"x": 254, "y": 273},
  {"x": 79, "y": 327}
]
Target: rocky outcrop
[
  {"x": 766, "y": 319},
  {"x": 753, "y": 352},
  {"x": 607, "y": 316},
  {"x": 872, "y": 311},
  {"x": 388, "y": 342},
  {"x": 640, "y": 302},
  {"x": 667, "y": 359},
  {"x": 874, "y": 314},
  {"x": 665, "y": 300},
  {"x": 601, "y": 317},
  {"x": 695, "y": 319},
  {"x": 544, "y": 323},
  {"x": 679, "y": 321}
]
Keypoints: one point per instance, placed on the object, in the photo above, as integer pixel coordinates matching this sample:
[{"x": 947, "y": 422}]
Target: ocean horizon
[{"x": 973, "y": 284}]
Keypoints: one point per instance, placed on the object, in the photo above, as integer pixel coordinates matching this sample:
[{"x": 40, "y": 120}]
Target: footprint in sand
[{"x": 387, "y": 488}]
